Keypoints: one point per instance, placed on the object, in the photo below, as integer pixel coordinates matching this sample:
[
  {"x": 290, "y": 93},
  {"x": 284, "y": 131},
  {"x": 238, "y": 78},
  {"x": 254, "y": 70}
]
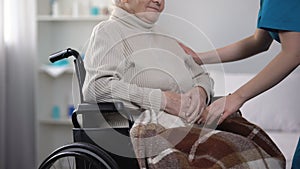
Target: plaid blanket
[{"x": 236, "y": 143}]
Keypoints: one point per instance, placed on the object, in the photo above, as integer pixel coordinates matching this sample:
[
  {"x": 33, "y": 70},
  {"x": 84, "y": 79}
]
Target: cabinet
[{"x": 69, "y": 27}]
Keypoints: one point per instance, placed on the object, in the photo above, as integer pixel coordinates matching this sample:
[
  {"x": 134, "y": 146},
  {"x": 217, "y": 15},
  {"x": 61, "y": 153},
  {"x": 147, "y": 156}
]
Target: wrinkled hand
[
  {"x": 220, "y": 109},
  {"x": 198, "y": 103},
  {"x": 190, "y": 52},
  {"x": 176, "y": 104},
  {"x": 187, "y": 106}
]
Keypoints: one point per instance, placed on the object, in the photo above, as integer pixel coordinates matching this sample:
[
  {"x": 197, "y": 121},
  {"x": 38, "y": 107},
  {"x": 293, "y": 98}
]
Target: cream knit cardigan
[{"x": 129, "y": 60}]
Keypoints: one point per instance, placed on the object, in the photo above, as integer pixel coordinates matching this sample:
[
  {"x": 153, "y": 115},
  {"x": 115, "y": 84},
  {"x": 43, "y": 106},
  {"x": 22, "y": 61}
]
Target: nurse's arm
[
  {"x": 280, "y": 67},
  {"x": 259, "y": 42}
]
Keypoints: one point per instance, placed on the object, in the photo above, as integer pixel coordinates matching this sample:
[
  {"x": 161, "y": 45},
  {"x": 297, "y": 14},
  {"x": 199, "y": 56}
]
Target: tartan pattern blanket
[{"x": 236, "y": 144}]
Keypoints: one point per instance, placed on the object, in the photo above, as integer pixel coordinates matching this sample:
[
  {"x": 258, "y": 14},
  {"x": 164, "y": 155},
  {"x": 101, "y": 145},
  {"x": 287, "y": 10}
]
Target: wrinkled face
[{"x": 147, "y": 10}]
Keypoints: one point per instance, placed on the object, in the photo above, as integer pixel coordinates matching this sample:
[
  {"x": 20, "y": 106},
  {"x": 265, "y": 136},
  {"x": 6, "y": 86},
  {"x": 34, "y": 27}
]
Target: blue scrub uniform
[
  {"x": 284, "y": 15},
  {"x": 296, "y": 158},
  {"x": 277, "y": 15}
]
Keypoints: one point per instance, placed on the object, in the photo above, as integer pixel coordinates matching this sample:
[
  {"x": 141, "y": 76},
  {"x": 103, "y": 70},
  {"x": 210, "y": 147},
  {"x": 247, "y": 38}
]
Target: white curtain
[
  {"x": 17, "y": 76},
  {"x": 2, "y": 90}
]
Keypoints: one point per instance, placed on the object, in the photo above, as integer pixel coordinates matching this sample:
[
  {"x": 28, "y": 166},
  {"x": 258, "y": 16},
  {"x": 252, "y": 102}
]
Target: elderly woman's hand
[
  {"x": 188, "y": 106},
  {"x": 176, "y": 104},
  {"x": 198, "y": 98}
]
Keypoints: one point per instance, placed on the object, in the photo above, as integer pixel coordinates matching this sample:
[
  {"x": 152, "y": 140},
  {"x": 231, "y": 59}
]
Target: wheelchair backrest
[
  {"x": 78, "y": 62},
  {"x": 80, "y": 74}
]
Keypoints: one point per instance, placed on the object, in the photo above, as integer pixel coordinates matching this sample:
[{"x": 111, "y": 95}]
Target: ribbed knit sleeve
[
  {"x": 201, "y": 78},
  {"x": 105, "y": 63}
]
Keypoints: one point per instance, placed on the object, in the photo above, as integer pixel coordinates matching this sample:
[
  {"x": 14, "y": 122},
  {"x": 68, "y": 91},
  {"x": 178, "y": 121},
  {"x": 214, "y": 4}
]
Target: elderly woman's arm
[
  {"x": 201, "y": 93},
  {"x": 104, "y": 82}
]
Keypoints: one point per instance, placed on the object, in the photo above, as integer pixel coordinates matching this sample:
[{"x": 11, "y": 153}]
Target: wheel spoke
[
  {"x": 73, "y": 166},
  {"x": 69, "y": 162},
  {"x": 54, "y": 166}
]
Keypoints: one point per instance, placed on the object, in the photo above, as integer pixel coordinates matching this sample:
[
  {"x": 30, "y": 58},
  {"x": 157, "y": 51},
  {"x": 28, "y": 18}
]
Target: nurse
[
  {"x": 277, "y": 20},
  {"x": 296, "y": 158}
]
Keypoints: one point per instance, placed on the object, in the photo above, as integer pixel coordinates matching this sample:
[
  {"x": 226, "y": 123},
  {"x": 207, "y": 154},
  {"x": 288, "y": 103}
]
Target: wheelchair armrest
[{"x": 104, "y": 107}]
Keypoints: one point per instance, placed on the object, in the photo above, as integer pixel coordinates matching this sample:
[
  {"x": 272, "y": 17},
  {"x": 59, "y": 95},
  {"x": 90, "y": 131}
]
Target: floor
[{"x": 287, "y": 142}]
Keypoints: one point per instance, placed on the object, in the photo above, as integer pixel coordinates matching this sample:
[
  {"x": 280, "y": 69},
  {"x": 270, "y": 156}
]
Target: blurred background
[{"x": 36, "y": 96}]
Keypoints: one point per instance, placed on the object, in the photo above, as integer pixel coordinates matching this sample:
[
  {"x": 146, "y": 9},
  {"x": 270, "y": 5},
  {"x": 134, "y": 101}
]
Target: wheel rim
[{"x": 74, "y": 160}]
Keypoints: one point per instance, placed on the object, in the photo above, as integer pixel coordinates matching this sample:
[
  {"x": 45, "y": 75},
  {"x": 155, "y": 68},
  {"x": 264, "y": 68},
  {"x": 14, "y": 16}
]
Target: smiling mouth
[{"x": 153, "y": 8}]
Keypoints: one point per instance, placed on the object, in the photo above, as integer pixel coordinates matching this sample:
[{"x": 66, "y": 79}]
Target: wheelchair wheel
[{"x": 79, "y": 156}]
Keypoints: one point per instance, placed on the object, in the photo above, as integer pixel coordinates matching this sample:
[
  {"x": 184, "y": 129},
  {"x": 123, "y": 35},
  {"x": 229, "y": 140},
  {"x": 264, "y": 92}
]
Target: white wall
[{"x": 223, "y": 22}]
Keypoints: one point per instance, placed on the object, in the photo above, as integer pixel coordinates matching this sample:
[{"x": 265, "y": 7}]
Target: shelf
[
  {"x": 54, "y": 81},
  {"x": 66, "y": 122},
  {"x": 72, "y": 18},
  {"x": 56, "y": 71}
]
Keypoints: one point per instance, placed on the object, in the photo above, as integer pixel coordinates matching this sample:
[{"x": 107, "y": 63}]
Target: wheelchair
[
  {"x": 98, "y": 135},
  {"x": 93, "y": 143}
]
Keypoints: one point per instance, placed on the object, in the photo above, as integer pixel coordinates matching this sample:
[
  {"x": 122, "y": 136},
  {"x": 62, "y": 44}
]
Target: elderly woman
[{"x": 128, "y": 59}]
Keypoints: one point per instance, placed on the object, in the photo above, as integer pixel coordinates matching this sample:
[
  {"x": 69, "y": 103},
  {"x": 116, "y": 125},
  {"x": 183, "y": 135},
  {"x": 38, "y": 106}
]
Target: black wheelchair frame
[{"x": 86, "y": 151}]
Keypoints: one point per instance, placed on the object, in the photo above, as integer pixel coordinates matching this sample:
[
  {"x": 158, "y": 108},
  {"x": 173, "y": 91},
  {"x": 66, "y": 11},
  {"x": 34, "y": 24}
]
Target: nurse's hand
[
  {"x": 220, "y": 109},
  {"x": 190, "y": 52}
]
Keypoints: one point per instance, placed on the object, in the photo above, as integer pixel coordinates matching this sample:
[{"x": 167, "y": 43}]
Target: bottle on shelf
[
  {"x": 55, "y": 114},
  {"x": 75, "y": 8},
  {"x": 94, "y": 8},
  {"x": 100, "y": 7},
  {"x": 54, "y": 7},
  {"x": 83, "y": 7}
]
